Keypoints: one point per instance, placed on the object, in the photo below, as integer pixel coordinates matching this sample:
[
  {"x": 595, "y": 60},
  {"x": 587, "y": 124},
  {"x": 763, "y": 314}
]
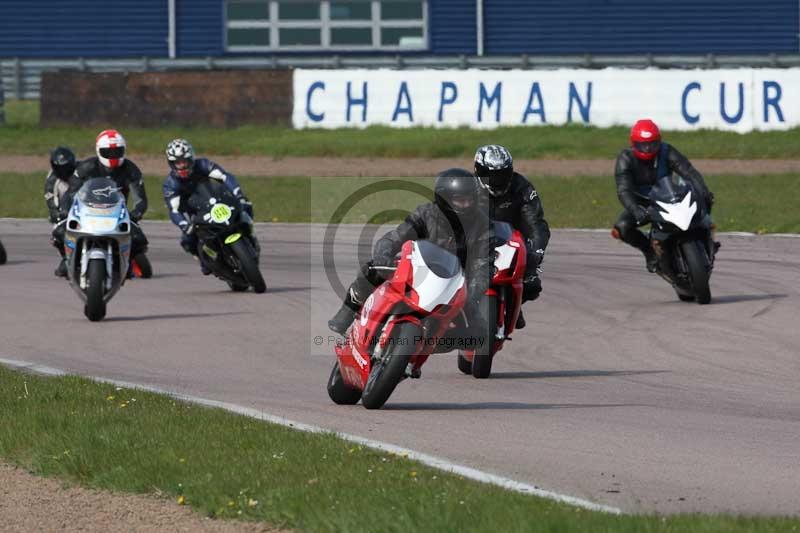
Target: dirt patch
[
  {"x": 30, "y": 503},
  {"x": 380, "y": 167}
]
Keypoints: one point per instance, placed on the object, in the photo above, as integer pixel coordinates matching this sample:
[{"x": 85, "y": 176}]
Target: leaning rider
[
  {"x": 636, "y": 170},
  {"x": 452, "y": 221},
  {"x": 186, "y": 171}
]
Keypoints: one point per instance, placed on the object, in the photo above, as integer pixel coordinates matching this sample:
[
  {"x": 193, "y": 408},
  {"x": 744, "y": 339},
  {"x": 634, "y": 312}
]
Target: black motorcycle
[
  {"x": 3, "y": 257},
  {"x": 682, "y": 237},
  {"x": 224, "y": 230}
]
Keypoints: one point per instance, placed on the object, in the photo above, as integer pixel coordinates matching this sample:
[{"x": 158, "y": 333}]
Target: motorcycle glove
[
  {"x": 186, "y": 228},
  {"x": 247, "y": 205},
  {"x": 641, "y": 215}
]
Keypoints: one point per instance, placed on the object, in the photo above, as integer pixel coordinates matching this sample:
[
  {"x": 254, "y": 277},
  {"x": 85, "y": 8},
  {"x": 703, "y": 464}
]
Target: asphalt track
[{"x": 615, "y": 392}]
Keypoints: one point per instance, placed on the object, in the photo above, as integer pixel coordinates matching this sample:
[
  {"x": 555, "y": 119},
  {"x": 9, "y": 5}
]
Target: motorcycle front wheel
[
  {"x": 390, "y": 369},
  {"x": 3, "y": 256},
  {"x": 482, "y": 360},
  {"x": 699, "y": 267},
  {"x": 246, "y": 255},
  {"x": 95, "y": 309}
]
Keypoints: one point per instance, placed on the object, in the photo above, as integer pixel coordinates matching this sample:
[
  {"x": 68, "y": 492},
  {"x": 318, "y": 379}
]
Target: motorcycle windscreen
[
  {"x": 673, "y": 196},
  {"x": 205, "y": 190},
  {"x": 100, "y": 193},
  {"x": 436, "y": 274}
]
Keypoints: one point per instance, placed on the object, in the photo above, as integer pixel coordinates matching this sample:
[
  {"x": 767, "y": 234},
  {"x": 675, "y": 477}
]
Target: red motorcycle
[
  {"x": 503, "y": 300},
  {"x": 399, "y": 326}
]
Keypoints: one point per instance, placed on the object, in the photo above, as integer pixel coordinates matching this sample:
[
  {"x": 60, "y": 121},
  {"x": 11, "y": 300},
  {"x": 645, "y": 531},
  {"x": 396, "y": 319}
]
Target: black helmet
[
  {"x": 456, "y": 191},
  {"x": 62, "y": 162},
  {"x": 494, "y": 168}
]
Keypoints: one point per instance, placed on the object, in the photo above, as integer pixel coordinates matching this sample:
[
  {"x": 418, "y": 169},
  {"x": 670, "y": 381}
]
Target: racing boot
[
  {"x": 61, "y": 269},
  {"x": 651, "y": 259},
  {"x": 343, "y": 318},
  {"x": 520, "y": 321}
]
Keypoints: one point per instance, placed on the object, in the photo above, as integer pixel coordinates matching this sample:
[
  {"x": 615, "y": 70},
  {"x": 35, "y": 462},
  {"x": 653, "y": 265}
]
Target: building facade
[{"x": 199, "y": 28}]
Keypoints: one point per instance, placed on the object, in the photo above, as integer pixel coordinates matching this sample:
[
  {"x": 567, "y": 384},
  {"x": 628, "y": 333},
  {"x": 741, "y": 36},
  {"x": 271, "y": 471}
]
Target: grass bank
[
  {"x": 22, "y": 135},
  {"x": 759, "y": 204},
  {"x": 227, "y": 465}
]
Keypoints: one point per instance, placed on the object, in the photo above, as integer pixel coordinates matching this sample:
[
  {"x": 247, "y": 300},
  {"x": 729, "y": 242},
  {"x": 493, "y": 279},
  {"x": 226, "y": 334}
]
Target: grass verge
[
  {"x": 22, "y": 135},
  {"x": 759, "y": 204},
  {"x": 227, "y": 465}
]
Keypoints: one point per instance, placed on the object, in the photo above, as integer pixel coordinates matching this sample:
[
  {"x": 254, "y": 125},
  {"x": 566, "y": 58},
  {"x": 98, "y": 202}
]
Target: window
[{"x": 285, "y": 25}]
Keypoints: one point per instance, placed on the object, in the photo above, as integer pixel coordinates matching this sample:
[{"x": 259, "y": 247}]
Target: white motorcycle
[{"x": 97, "y": 244}]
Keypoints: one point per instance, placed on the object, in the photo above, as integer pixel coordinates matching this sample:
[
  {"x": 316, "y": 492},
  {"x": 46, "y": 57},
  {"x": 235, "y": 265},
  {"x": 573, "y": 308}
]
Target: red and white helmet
[
  {"x": 110, "y": 148},
  {"x": 645, "y": 139}
]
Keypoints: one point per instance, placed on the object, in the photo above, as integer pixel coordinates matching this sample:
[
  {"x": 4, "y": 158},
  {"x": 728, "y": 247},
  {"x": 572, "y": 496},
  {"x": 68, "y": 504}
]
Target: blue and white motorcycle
[
  {"x": 682, "y": 237},
  {"x": 97, "y": 244}
]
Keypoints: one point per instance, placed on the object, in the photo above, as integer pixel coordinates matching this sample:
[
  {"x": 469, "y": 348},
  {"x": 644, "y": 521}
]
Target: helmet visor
[
  {"x": 462, "y": 203},
  {"x": 647, "y": 147},
  {"x": 112, "y": 153},
  {"x": 181, "y": 164}
]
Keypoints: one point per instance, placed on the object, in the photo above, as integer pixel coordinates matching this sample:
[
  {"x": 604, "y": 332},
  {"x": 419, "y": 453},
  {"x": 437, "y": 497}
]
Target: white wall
[{"x": 675, "y": 99}]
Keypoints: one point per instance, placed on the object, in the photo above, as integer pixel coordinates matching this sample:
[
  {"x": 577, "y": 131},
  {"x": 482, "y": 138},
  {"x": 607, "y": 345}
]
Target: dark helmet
[
  {"x": 62, "y": 162},
  {"x": 456, "y": 191},
  {"x": 180, "y": 157},
  {"x": 494, "y": 168}
]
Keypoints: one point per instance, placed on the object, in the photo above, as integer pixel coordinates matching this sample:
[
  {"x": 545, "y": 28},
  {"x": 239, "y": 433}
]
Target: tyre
[
  {"x": 3, "y": 256},
  {"x": 145, "y": 269},
  {"x": 247, "y": 260},
  {"x": 339, "y": 391},
  {"x": 685, "y": 297},
  {"x": 464, "y": 365},
  {"x": 95, "y": 309},
  {"x": 699, "y": 268},
  {"x": 482, "y": 360},
  {"x": 388, "y": 372}
]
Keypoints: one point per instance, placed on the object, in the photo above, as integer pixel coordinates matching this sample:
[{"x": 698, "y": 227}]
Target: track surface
[{"x": 615, "y": 392}]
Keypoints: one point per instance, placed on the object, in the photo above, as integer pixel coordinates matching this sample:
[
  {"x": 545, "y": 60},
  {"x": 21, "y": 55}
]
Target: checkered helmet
[{"x": 180, "y": 157}]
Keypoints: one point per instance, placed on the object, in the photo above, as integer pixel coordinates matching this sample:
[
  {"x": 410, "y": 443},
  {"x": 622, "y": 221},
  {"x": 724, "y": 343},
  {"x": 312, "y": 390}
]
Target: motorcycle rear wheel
[
  {"x": 390, "y": 370},
  {"x": 95, "y": 309},
  {"x": 699, "y": 268},
  {"x": 482, "y": 360},
  {"x": 246, "y": 255},
  {"x": 339, "y": 391}
]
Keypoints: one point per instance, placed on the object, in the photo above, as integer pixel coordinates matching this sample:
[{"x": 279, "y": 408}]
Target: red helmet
[
  {"x": 645, "y": 139},
  {"x": 110, "y": 148}
]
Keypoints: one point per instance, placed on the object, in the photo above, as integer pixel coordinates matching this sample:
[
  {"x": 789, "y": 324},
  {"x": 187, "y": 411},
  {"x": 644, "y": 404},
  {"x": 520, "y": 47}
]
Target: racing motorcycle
[
  {"x": 399, "y": 326},
  {"x": 225, "y": 233},
  {"x": 502, "y": 302},
  {"x": 3, "y": 257},
  {"x": 97, "y": 244},
  {"x": 682, "y": 237}
]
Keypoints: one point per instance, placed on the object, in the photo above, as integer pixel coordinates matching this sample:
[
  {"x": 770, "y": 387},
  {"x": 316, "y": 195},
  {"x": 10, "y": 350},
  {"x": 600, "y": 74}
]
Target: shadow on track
[
  {"x": 735, "y": 298},
  {"x": 572, "y": 374},
  {"x": 277, "y": 290},
  {"x": 168, "y": 316},
  {"x": 495, "y": 406}
]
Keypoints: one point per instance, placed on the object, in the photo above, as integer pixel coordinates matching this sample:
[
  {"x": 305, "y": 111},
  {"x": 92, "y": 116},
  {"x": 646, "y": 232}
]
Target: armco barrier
[
  {"x": 148, "y": 99},
  {"x": 726, "y": 99}
]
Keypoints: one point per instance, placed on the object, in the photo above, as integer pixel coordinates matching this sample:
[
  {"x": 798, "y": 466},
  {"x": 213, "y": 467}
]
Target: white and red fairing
[{"x": 413, "y": 293}]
